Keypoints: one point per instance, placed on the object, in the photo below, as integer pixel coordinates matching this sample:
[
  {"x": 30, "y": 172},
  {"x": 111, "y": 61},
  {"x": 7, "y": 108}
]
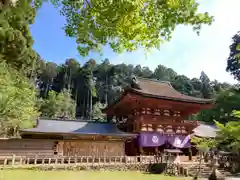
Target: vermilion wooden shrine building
[{"x": 150, "y": 116}]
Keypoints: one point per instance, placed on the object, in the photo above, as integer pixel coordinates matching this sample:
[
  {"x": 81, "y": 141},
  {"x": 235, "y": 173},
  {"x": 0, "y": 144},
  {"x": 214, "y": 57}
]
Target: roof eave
[
  {"x": 115, "y": 102},
  {"x": 22, "y": 132},
  {"x": 210, "y": 101}
]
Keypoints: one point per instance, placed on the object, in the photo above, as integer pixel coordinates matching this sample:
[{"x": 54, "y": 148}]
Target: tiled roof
[
  {"x": 163, "y": 90},
  {"x": 76, "y": 127},
  {"x": 204, "y": 130}
]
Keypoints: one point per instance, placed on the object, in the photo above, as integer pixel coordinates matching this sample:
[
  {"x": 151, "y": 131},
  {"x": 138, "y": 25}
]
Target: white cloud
[{"x": 188, "y": 53}]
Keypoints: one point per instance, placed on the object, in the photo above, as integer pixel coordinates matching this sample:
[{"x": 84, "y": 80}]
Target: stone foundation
[{"x": 151, "y": 168}]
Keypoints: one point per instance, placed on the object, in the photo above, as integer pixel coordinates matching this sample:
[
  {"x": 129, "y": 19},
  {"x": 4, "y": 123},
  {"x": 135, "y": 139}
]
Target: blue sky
[{"x": 186, "y": 53}]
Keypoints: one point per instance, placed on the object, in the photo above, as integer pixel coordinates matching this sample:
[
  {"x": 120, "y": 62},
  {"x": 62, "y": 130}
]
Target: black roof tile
[{"x": 76, "y": 127}]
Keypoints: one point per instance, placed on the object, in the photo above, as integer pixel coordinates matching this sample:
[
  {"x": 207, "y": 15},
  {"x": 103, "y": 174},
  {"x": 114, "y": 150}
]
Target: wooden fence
[
  {"x": 20, "y": 160},
  {"x": 121, "y": 162}
]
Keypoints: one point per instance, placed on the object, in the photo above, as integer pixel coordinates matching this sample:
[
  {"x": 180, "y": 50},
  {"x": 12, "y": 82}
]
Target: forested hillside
[{"x": 95, "y": 85}]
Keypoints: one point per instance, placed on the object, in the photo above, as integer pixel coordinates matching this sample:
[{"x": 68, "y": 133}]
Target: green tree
[
  {"x": 142, "y": 71},
  {"x": 127, "y": 24},
  {"x": 16, "y": 40},
  {"x": 197, "y": 86},
  {"x": 182, "y": 84},
  {"x": 71, "y": 68},
  {"x": 204, "y": 145},
  {"x": 67, "y": 78},
  {"x": 225, "y": 103},
  {"x": 7, "y": 3},
  {"x": 103, "y": 73},
  {"x": 233, "y": 65},
  {"x": 228, "y": 137},
  {"x": 17, "y": 102},
  {"x": 165, "y": 74},
  {"x": 59, "y": 105},
  {"x": 89, "y": 83},
  {"x": 48, "y": 72},
  {"x": 97, "y": 112},
  {"x": 206, "y": 88}
]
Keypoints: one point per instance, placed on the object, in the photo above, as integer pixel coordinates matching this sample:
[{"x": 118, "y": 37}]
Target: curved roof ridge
[
  {"x": 155, "y": 80},
  {"x": 74, "y": 120},
  {"x": 163, "y": 89}
]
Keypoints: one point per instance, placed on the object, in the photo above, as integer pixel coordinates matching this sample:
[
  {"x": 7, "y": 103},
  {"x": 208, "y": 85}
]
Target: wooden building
[
  {"x": 68, "y": 138},
  {"x": 150, "y": 117},
  {"x": 158, "y": 114}
]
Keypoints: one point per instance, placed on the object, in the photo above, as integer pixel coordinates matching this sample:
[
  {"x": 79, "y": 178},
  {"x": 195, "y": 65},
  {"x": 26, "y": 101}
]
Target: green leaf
[
  {"x": 18, "y": 108},
  {"x": 238, "y": 47},
  {"x": 127, "y": 25}
]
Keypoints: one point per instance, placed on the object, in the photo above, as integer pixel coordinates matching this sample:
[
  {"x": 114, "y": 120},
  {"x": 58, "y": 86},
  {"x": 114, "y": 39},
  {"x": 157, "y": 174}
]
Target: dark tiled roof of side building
[
  {"x": 76, "y": 127},
  {"x": 164, "y": 90},
  {"x": 205, "y": 130}
]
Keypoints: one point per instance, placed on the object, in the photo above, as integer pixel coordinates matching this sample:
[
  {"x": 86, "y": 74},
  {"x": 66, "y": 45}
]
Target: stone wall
[{"x": 151, "y": 168}]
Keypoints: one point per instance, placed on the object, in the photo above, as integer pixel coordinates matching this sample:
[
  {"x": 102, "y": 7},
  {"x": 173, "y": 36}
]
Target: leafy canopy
[
  {"x": 225, "y": 102},
  {"x": 59, "y": 105},
  {"x": 16, "y": 40},
  {"x": 97, "y": 112},
  {"x": 127, "y": 24},
  {"x": 233, "y": 65},
  {"x": 17, "y": 101},
  {"x": 203, "y": 144},
  {"x": 228, "y": 137}
]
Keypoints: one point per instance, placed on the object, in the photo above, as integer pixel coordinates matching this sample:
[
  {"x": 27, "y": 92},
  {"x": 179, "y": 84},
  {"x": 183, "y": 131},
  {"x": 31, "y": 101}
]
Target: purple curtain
[
  {"x": 179, "y": 141},
  {"x": 151, "y": 139}
]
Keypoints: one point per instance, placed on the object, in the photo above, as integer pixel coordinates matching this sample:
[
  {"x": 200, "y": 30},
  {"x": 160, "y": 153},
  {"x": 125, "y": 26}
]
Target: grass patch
[{"x": 79, "y": 175}]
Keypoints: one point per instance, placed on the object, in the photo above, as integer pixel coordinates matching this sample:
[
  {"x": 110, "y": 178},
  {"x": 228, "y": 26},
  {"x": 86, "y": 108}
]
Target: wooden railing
[
  {"x": 19, "y": 160},
  {"x": 137, "y": 162},
  {"x": 56, "y": 159}
]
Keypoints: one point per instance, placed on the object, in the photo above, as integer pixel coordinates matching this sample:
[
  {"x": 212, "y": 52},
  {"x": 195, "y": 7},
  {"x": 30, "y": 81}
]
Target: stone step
[{"x": 205, "y": 171}]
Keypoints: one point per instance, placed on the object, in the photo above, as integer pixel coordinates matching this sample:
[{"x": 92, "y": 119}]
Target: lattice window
[
  {"x": 147, "y": 127},
  {"x": 184, "y": 130},
  {"x": 179, "y": 130},
  {"x": 160, "y": 128},
  {"x": 157, "y": 112},
  {"x": 148, "y": 111},
  {"x": 166, "y": 112},
  {"x": 169, "y": 129},
  {"x": 144, "y": 127},
  {"x": 143, "y": 111},
  {"x": 176, "y": 113},
  {"x": 136, "y": 112}
]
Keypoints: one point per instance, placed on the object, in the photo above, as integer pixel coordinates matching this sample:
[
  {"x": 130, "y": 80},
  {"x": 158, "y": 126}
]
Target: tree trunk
[
  {"x": 76, "y": 94},
  {"x": 199, "y": 167},
  {"x": 46, "y": 90},
  {"x": 190, "y": 154},
  {"x": 87, "y": 105},
  {"x": 84, "y": 107},
  {"x": 90, "y": 93},
  {"x": 106, "y": 90},
  {"x": 69, "y": 79},
  {"x": 90, "y": 108},
  {"x": 33, "y": 69}
]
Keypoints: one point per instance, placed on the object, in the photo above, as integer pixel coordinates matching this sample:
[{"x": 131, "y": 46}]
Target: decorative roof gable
[{"x": 162, "y": 90}]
